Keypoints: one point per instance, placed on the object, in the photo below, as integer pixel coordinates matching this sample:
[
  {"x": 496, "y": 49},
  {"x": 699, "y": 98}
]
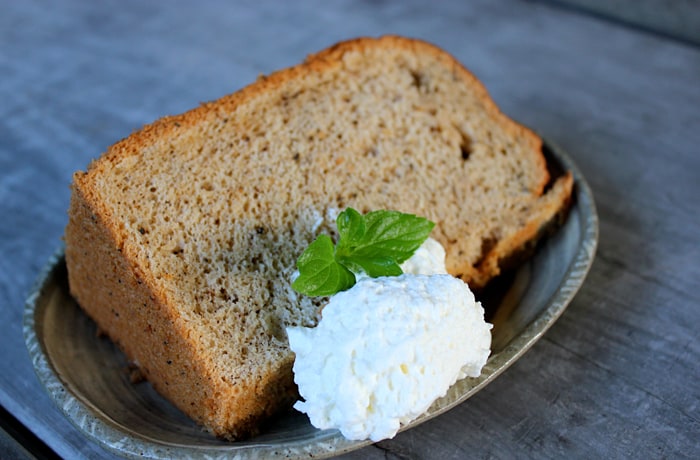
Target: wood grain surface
[{"x": 616, "y": 377}]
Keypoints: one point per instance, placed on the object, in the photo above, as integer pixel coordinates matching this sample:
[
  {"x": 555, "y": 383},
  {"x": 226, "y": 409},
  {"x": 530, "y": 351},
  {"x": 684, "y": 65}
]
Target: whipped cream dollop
[
  {"x": 429, "y": 259},
  {"x": 388, "y": 347}
]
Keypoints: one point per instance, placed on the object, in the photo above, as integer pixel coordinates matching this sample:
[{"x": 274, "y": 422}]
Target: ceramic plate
[{"x": 88, "y": 377}]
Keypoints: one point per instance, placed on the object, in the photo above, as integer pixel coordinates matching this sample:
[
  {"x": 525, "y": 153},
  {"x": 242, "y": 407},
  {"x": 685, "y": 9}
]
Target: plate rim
[{"x": 92, "y": 422}]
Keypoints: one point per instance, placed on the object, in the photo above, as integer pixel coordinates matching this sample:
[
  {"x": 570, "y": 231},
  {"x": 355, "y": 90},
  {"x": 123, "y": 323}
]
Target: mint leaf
[
  {"x": 319, "y": 273},
  {"x": 351, "y": 225},
  {"x": 375, "y": 244},
  {"x": 393, "y": 234},
  {"x": 374, "y": 267}
]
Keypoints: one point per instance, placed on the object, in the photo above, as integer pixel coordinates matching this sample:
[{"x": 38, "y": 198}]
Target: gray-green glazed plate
[{"x": 89, "y": 380}]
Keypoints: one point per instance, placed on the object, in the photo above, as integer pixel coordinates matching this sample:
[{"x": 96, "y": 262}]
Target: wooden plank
[{"x": 679, "y": 19}]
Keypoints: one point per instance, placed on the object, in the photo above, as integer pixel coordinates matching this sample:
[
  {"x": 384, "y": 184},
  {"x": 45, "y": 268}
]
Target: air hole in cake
[
  {"x": 465, "y": 145},
  {"x": 372, "y": 152},
  {"x": 487, "y": 244},
  {"x": 465, "y": 152},
  {"x": 416, "y": 78}
]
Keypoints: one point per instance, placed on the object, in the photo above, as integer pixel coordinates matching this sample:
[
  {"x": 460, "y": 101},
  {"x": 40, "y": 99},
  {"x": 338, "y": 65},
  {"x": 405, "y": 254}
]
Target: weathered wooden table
[{"x": 616, "y": 377}]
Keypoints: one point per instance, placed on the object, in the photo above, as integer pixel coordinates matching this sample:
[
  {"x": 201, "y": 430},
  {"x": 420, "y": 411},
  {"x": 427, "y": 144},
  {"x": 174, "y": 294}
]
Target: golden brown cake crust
[{"x": 182, "y": 237}]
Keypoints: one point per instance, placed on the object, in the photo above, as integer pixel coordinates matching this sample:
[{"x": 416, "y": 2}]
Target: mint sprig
[
  {"x": 319, "y": 273},
  {"x": 375, "y": 243}
]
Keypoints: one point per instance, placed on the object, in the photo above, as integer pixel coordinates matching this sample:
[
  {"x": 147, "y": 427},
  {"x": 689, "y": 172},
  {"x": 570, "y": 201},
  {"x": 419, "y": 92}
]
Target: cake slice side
[{"x": 130, "y": 307}]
